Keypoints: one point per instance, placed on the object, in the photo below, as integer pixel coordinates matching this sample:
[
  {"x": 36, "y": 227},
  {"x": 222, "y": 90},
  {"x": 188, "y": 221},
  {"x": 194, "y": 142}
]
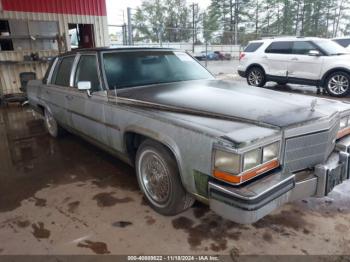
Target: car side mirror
[
  {"x": 314, "y": 53},
  {"x": 85, "y": 85}
]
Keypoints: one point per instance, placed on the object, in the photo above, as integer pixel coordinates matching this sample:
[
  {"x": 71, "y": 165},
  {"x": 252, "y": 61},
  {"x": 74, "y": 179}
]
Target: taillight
[{"x": 241, "y": 56}]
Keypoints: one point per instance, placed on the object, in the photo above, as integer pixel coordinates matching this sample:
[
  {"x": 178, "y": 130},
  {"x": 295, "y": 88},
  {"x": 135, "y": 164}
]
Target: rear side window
[
  {"x": 343, "y": 42},
  {"x": 280, "y": 47},
  {"x": 303, "y": 47},
  {"x": 252, "y": 47},
  {"x": 87, "y": 71},
  {"x": 61, "y": 75}
]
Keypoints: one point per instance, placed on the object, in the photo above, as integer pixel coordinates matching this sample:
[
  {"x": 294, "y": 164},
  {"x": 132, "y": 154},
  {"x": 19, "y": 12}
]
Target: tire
[
  {"x": 337, "y": 84},
  {"x": 170, "y": 197},
  {"x": 256, "y": 77},
  {"x": 52, "y": 127}
]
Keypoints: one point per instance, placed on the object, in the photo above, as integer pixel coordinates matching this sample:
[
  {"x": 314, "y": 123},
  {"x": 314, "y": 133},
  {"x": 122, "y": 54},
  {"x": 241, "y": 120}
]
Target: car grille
[{"x": 309, "y": 150}]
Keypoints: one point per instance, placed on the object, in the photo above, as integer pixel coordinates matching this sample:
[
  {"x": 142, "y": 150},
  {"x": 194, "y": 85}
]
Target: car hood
[{"x": 236, "y": 101}]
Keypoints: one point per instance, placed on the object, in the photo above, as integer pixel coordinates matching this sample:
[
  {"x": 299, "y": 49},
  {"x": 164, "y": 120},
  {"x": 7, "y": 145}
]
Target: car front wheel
[
  {"x": 159, "y": 179},
  {"x": 256, "y": 77},
  {"x": 338, "y": 84}
]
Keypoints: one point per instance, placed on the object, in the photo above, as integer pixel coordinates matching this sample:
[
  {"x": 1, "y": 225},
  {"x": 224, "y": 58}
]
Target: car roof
[
  {"x": 342, "y": 37},
  {"x": 286, "y": 38},
  {"x": 121, "y": 48}
]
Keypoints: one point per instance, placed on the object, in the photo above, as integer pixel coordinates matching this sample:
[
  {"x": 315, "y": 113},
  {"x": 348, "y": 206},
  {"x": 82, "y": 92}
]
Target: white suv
[
  {"x": 343, "y": 41},
  {"x": 307, "y": 61}
]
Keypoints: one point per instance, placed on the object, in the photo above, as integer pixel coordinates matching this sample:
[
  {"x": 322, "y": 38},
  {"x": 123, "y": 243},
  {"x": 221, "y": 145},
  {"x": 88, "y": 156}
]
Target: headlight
[
  {"x": 226, "y": 161},
  {"x": 344, "y": 127},
  {"x": 237, "y": 168},
  {"x": 270, "y": 152},
  {"x": 251, "y": 159}
]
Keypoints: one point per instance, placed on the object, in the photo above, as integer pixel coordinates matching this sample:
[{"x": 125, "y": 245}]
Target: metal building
[{"x": 33, "y": 31}]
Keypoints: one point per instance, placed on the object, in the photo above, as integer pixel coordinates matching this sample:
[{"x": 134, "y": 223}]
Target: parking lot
[{"x": 68, "y": 197}]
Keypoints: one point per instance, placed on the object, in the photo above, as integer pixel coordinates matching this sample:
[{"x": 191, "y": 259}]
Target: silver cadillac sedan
[{"x": 244, "y": 151}]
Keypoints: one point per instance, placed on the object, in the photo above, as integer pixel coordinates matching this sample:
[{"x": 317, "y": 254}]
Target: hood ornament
[{"x": 313, "y": 104}]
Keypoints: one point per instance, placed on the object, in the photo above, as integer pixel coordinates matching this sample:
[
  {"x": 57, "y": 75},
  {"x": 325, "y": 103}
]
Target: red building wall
[{"x": 77, "y": 7}]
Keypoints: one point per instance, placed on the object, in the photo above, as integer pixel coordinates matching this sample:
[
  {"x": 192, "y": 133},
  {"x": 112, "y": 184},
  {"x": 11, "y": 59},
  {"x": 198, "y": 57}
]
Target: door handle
[
  {"x": 295, "y": 59},
  {"x": 265, "y": 57}
]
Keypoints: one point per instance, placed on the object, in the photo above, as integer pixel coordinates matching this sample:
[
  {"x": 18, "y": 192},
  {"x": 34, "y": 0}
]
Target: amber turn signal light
[
  {"x": 227, "y": 177},
  {"x": 343, "y": 132}
]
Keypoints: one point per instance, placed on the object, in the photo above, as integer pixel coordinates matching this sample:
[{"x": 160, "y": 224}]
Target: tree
[{"x": 163, "y": 20}]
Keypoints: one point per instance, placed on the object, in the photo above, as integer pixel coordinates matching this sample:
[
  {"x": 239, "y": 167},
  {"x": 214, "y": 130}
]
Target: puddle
[
  {"x": 23, "y": 223},
  {"x": 73, "y": 206},
  {"x": 108, "y": 200},
  {"x": 39, "y": 202},
  {"x": 122, "y": 224},
  {"x": 39, "y": 231},
  {"x": 150, "y": 220},
  {"x": 97, "y": 247},
  {"x": 31, "y": 160},
  {"x": 210, "y": 227}
]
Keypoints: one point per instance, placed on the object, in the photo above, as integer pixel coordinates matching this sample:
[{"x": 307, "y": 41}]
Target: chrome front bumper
[{"x": 248, "y": 203}]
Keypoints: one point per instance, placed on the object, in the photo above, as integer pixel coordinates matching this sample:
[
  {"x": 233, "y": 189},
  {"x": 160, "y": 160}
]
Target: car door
[
  {"x": 55, "y": 93},
  {"x": 302, "y": 65},
  {"x": 87, "y": 108},
  {"x": 277, "y": 55}
]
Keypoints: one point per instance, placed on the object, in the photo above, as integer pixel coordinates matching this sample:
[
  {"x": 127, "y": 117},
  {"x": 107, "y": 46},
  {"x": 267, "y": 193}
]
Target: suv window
[
  {"x": 252, "y": 47},
  {"x": 343, "y": 42},
  {"x": 87, "y": 71},
  {"x": 61, "y": 75},
  {"x": 280, "y": 47},
  {"x": 303, "y": 47}
]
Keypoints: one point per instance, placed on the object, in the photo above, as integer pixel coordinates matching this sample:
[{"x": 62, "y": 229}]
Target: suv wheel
[
  {"x": 338, "y": 84},
  {"x": 51, "y": 125},
  {"x": 256, "y": 77},
  {"x": 159, "y": 179}
]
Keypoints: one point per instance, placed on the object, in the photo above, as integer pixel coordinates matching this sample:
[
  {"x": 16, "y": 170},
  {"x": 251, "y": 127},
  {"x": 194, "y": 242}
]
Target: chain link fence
[{"x": 198, "y": 42}]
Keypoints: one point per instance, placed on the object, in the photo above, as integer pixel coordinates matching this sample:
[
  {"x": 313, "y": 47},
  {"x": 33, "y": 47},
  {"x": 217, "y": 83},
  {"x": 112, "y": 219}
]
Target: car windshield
[
  {"x": 330, "y": 47},
  {"x": 128, "y": 69}
]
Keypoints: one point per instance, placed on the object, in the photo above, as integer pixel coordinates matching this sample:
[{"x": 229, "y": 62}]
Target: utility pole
[
  {"x": 193, "y": 27},
  {"x": 125, "y": 41},
  {"x": 130, "y": 40},
  {"x": 236, "y": 22}
]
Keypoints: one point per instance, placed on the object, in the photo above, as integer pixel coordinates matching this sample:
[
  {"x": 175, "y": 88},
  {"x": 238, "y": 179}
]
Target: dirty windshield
[{"x": 128, "y": 69}]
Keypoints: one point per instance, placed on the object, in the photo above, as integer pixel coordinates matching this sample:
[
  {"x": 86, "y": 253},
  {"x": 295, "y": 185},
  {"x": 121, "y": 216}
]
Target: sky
[{"x": 116, "y": 9}]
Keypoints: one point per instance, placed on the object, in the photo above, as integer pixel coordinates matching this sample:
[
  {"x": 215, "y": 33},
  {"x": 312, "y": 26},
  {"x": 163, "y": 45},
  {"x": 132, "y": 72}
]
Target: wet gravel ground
[{"x": 68, "y": 197}]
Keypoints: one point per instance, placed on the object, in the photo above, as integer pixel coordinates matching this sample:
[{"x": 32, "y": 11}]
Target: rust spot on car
[
  {"x": 39, "y": 231},
  {"x": 73, "y": 206},
  {"x": 97, "y": 247},
  {"x": 121, "y": 224},
  {"x": 108, "y": 200}
]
